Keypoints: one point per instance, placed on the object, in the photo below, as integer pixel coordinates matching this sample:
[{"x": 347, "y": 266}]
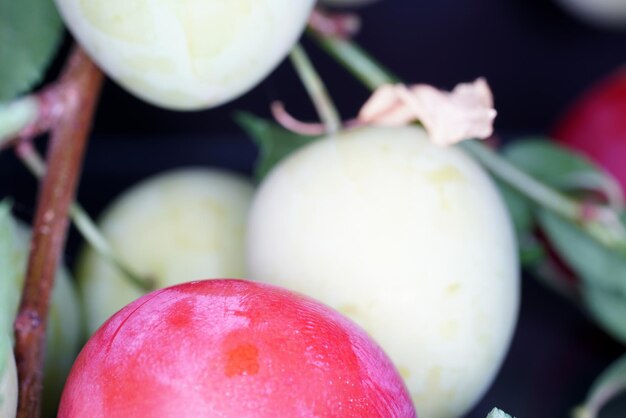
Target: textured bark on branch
[{"x": 77, "y": 92}]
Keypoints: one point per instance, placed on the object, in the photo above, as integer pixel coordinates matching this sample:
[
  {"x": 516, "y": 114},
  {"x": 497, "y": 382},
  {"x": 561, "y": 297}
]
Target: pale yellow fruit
[
  {"x": 186, "y": 54},
  {"x": 179, "y": 226},
  {"x": 411, "y": 241}
]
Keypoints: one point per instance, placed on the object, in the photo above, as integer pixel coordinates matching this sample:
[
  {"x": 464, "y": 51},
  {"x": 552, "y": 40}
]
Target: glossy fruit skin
[
  {"x": 595, "y": 125},
  {"x": 409, "y": 240},
  {"x": 232, "y": 349},
  {"x": 180, "y": 225},
  {"x": 186, "y": 54}
]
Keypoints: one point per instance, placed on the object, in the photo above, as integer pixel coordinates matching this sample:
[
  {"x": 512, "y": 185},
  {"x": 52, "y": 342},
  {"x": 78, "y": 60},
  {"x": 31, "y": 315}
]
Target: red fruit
[
  {"x": 232, "y": 348},
  {"x": 596, "y": 125}
]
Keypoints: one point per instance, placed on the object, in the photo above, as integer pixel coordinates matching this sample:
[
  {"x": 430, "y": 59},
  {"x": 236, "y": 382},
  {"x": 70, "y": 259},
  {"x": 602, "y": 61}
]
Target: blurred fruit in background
[
  {"x": 595, "y": 124},
  {"x": 186, "y": 224},
  {"x": 602, "y": 13}
]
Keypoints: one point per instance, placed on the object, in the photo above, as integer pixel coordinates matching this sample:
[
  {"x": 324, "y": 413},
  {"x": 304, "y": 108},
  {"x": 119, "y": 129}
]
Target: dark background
[{"x": 537, "y": 59}]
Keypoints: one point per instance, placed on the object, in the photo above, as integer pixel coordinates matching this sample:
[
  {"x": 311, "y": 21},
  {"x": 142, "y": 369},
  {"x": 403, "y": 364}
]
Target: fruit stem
[
  {"x": 82, "y": 81},
  {"x": 316, "y": 89},
  {"x": 371, "y": 74},
  {"x": 81, "y": 219}
]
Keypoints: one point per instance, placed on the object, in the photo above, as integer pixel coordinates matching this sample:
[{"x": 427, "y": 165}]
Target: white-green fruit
[
  {"x": 410, "y": 240},
  {"x": 186, "y": 54},
  {"x": 603, "y": 13},
  {"x": 8, "y": 379},
  {"x": 179, "y": 226}
]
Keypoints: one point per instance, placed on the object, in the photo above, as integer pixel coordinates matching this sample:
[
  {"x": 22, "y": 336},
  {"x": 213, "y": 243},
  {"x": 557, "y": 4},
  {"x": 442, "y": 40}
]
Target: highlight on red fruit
[
  {"x": 596, "y": 125},
  {"x": 232, "y": 348}
]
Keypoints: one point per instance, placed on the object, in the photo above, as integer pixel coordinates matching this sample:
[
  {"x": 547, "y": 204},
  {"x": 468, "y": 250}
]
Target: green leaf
[
  {"x": 610, "y": 384},
  {"x": 596, "y": 264},
  {"x": 521, "y": 211},
  {"x": 551, "y": 164},
  {"x": 30, "y": 32},
  {"x": 498, "y": 413},
  {"x": 546, "y": 161},
  {"x": 519, "y": 207},
  {"x": 602, "y": 271},
  {"x": 608, "y": 309},
  {"x": 274, "y": 141}
]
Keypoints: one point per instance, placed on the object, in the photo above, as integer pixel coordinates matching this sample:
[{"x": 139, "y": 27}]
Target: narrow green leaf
[
  {"x": 602, "y": 271},
  {"x": 551, "y": 164},
  {"x": 274, "y": 141},
  {"x": 30, "y": 32},
  {"x": 518, "y": 206},
  {"x": 498, "y": 413},
  {"x": 547, "y": 161},
  {"x": 608, "y": 386},
  {"x": 520, "y": 209},
  {"x": 532, "y": 251},
  {"x": 608, "y": 309},
  {"x": 597, "y": 265}
]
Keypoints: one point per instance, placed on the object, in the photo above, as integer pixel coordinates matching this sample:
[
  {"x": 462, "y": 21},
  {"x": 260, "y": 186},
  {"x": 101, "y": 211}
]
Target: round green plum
[
  {"x": 186, "y": 54},
  {"x": 179, "y": 225},
  {"x": 410, "y": 240}
]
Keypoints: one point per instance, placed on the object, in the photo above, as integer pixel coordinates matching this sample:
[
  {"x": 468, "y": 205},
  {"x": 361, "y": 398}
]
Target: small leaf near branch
[
  {"x": 608, "y": 386},
  {"x": 596, "y": 264},
  {"x": 554, "y": 165},
  {"x": 602, "y": 271},
  {"x": 274, "y": 141},
  {"x": 520, "y": 210},
  {"x": 548, "y": 163},
  {"x": 30, "y": 33},
  {"x": 609, "y": 310}
]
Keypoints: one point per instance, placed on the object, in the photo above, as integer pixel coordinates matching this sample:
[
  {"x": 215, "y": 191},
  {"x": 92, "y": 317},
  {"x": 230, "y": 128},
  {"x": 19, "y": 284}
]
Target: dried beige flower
[{"x": 449, "y": 117}]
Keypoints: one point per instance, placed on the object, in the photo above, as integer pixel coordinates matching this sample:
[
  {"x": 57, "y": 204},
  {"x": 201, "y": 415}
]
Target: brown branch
[{"x": 81, "y": 81}]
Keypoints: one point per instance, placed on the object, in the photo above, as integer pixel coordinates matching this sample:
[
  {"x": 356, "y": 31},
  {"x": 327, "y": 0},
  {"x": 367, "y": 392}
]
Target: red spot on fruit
[
  {"x": 181, "y": 314},
  {"x": 242, "y": 360}
]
